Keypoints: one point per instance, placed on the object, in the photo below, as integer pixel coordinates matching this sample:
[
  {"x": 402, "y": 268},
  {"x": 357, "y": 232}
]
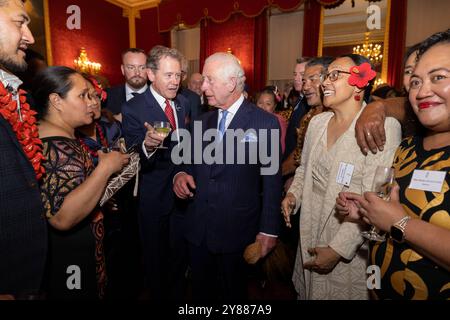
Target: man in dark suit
[
  {"x": 156, "y": 199},
  {"x": 232, "y": 202},
  {"x": 23, "y": 232},
  {"x": 300, "y": 109},
  {"x": 193, "y": 108},
  {"x": 135, "y": 72}
]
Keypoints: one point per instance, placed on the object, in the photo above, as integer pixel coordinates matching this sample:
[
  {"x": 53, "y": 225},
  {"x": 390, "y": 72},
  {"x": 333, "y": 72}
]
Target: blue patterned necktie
[{"x": 222, "y": 123}]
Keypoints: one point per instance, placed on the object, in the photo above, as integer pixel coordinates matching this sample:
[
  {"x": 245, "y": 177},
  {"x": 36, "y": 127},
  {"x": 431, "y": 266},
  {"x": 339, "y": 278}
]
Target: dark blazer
[
  {"x": 233, "y": 202},
  {"x": 194, "y": 106},
  {"x": 156, "y": 173},
  {"x": 294, "y": 121},
  {"x": 23, "y": 228},
  {"x": 116, "y": 98}
]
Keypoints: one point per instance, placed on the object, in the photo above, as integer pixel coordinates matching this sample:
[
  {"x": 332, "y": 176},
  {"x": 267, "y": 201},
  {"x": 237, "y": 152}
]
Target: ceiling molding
[{"x": 135, "y": 4}]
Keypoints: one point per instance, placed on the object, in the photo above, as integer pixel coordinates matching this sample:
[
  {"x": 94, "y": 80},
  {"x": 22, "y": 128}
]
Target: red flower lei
[
  {"x": 26, "y": 129},
  {"x": 103, "y": 141},
  {"x": 361, "y": 75}
]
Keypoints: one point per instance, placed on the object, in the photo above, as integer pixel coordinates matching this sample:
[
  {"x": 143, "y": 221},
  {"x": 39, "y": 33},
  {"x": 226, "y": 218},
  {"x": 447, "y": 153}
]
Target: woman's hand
[
  {"x": 287, "y": 208},
  {"x": 112, "y": 161},
  {"x": 381, "y": 213},
  {"x": 348, "y": 207},
  {"x": 325, "y": 260}
]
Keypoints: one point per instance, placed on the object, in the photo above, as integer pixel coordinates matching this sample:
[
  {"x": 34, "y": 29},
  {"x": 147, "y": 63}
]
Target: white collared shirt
[
  {"x": 162, "y": 103},
  {"x": 232, "y": 110},
  {"x": 129, "y": 91}
]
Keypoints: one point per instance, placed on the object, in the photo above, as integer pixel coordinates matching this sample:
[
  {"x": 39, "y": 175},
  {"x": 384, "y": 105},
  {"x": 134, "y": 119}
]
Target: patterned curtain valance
[{"x": 175, "y": 12}]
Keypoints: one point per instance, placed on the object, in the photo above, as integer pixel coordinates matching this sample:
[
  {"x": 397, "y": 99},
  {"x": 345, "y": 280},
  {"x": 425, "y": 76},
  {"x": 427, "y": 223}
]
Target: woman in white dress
[{"x": 331, "y": 261}]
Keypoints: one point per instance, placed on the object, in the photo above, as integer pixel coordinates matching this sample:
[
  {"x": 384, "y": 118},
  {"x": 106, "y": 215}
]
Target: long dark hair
[
  {"x": 51, "y": 80},
  {"x": 439, "y": 37}
]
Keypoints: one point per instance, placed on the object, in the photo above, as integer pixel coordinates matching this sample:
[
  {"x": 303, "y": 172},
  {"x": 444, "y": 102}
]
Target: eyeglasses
[
  {"x": 133, "y": 68},
  {"x": 334, "y": 75}
]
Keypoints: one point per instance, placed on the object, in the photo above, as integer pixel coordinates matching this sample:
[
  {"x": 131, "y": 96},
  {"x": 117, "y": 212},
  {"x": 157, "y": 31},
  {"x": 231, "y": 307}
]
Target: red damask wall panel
[
  {"x": 147, "y": 34},
  {"x": 237, "y": 34},
  {"x": 104, "y": 34}
]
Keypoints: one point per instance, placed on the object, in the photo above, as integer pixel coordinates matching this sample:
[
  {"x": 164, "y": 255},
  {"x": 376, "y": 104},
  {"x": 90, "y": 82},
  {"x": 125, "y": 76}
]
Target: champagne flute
[
  {"x": 163, "y": 129},
  {"x": 382, "y": 185}
]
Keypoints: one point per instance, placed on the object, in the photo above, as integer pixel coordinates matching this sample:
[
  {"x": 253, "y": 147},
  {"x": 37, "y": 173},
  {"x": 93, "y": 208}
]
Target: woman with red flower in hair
[
  {"x": 331, "y": 259},
  {"x": 103, "y": 133},
  {"x": 121, "y": 240}
]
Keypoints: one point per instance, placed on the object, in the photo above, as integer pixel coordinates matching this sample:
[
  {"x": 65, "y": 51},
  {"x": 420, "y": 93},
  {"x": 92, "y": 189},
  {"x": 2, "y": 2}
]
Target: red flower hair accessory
[
  {"x": 361, "y": 75},
  {"x": 98, "y": 88}
]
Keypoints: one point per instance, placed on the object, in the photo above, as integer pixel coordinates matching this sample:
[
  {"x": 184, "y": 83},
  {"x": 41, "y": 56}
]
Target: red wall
[
  {"x": 236, "y": 34},
  {"x": 104, "y": 34},
  {"x": 147, "y": 34}
]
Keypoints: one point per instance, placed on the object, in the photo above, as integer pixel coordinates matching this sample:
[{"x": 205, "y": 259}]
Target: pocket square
[{"x": 250, "y": 137}]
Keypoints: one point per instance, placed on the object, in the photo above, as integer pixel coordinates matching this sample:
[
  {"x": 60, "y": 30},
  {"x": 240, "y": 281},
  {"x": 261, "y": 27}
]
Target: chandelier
[
  {"x": 372, "y": 51},
  {"x": 83, "y": 64}
]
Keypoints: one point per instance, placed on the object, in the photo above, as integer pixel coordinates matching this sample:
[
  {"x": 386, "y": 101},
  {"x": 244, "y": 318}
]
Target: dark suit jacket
[
  {"x": 294, "y": 121},
  {"x": 116, "y": 98},
  {"x": 193, "y": 108},
  {"x": 23, "y": 228},
  {"x": 233, "y": 202},
  {"x": 155, "y": 184}
]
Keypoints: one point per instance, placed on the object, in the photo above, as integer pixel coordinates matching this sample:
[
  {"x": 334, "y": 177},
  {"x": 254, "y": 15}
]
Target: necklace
[
  {"x": 23, "y": 122},
  {"x": 103, "y": 141}
]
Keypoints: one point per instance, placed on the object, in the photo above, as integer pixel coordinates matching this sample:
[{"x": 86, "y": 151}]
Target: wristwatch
[{"x": 398, "y": 229}]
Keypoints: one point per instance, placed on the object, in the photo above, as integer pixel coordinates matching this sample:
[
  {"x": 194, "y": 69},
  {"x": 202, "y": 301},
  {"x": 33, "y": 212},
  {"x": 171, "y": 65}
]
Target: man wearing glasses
[{"x": 134, "y": 70}]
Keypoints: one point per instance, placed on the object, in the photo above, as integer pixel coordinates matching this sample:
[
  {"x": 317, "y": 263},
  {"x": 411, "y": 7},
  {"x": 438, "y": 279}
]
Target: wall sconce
[
  {"x": 231, "y": 52},
  {"x": 83, "y": 64}
]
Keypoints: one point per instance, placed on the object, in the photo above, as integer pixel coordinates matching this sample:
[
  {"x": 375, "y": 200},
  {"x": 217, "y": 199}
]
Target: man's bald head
[{"x": 195, "y": 83}]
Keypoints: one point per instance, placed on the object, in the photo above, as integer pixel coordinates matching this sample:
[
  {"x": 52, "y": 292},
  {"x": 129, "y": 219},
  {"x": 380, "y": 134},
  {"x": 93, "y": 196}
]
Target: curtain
[
  {"x": 238, "y": 34},
  {"x": 171, "y": 13},
  {"x": 260, "y": 51},
  {"x": 311, "y": 28},
  {"x": 397, "y": 40},
  {"x": 204, "y": 47}
]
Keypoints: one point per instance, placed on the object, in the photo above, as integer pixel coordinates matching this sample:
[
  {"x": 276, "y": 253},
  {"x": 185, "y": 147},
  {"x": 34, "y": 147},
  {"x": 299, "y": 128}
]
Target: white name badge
[
  {"x": 345, "y": 172},
  {"x": 427, "y": 180}
]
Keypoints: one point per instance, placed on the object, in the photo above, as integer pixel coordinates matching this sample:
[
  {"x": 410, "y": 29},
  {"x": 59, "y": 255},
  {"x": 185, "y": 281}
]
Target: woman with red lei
[{"x": 71, "y": 187}]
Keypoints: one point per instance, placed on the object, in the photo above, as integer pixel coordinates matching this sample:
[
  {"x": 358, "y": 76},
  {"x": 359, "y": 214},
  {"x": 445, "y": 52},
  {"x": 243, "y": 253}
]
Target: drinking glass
[
  {"x": 382, "y": 185},
  {"x": 163, "y": 129}
]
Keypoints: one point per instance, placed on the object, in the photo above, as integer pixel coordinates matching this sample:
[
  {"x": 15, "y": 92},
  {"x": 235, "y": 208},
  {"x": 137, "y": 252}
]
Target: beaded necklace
[{"x": 103, "y": 141}]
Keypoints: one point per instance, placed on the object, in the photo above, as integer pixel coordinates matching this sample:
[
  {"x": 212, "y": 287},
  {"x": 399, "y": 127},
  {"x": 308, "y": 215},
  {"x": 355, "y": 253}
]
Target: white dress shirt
[
  {"x": 162, "y": 103},
  {"x": 129, "y": 91}
]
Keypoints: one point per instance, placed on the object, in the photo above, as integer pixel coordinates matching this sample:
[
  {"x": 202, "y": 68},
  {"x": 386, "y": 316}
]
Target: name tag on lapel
[
  {"x": 345, "y": 173},
  {"x": 427, "y": 180}
]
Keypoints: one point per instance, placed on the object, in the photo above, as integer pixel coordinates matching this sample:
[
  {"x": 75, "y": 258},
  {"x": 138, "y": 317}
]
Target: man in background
[
  {"x": 135, "y": 72},
  {"x": 193, "y": 108}
]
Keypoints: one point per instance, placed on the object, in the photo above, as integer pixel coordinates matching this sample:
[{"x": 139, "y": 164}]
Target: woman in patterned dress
[
  {"x": 415, "y": 262},
  {"x": 71, "y": 188}
]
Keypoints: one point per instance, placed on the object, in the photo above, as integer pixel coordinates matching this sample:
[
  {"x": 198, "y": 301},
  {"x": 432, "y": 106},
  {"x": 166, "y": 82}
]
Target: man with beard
[
  {"x": 23, "y": 233},
  {"x": 135, "y": 72}
]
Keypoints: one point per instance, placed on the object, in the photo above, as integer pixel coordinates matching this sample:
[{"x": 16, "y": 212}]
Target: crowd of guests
[{"x": 196, "y": 224}]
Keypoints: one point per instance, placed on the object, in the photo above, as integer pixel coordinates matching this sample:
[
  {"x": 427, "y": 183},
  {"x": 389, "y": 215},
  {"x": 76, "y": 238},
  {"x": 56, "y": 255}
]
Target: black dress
[{"x": 76, "y": 268}]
